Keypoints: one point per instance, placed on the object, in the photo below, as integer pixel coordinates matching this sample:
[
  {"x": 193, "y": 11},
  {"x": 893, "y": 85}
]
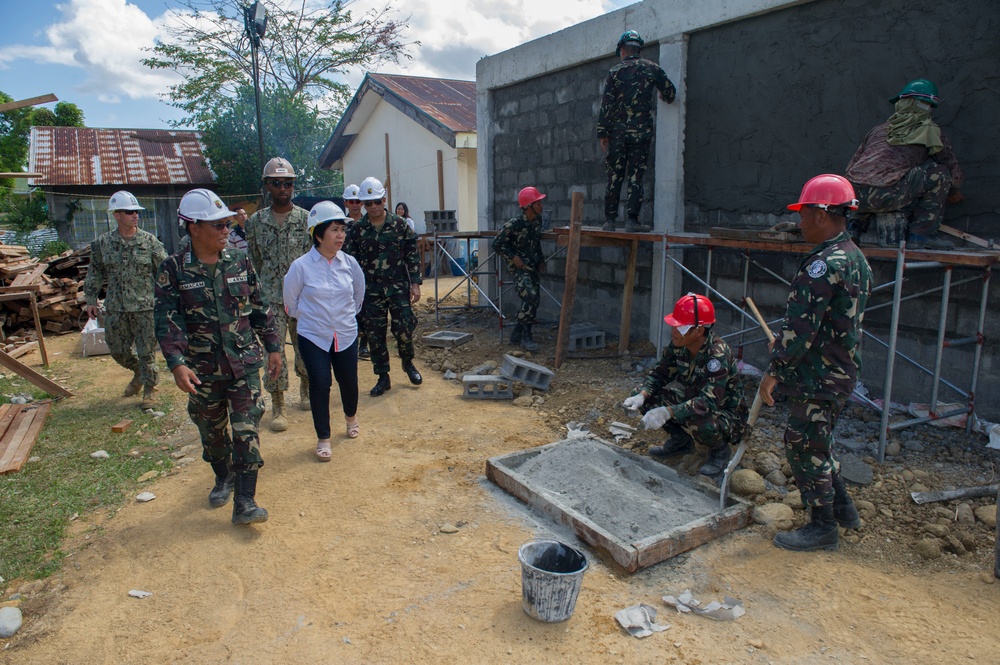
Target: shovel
[{"x": 751, "y": 419}]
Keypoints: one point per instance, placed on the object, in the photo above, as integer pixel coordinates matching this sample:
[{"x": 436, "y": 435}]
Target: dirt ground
[{"x": 356, "y": 564}]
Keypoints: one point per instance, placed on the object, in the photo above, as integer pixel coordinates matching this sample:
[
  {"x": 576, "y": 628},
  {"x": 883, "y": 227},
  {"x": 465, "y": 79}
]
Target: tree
[
  {"x": 305, "y": 50},
  {"x": 292, "y": 129},
  {"x": 15, "y": 130}
]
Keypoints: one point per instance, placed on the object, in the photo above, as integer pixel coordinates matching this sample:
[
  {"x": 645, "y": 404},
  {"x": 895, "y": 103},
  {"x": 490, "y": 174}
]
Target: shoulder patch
[
  {"x": 714, "y": 365},
  {"x": 817, "y": 268}
]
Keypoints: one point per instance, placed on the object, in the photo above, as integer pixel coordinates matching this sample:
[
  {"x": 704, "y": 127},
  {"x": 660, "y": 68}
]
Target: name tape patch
[{"x": 191, "y": 285}]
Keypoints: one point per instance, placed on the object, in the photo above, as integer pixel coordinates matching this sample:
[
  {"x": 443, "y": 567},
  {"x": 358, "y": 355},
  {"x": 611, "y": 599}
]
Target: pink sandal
[
  {"x": 353, "y": 430},
  {"x": 323, "y": 451}
]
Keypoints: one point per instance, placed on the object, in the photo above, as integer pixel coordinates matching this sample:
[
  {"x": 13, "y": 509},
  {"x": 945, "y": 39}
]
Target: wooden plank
[
  {"x": 31, "y": 101},
  {"x": 7, "y": 413},
  {"x": 755, "y": 234},
  {"x": 572, "y": 266},
  {"x": 20, "y": 289},
  {"x": 23, "y": 350},
  {"x": 38, "y": 331},
  {"x": 626, "y": 322},
  {"x": 121, "y": 426},
  {"x": 30, "y": 276},
  {"x": 36, "y": 379},
  {"x": 26, "y": 435},
  {"x": 967, "y": 237}
]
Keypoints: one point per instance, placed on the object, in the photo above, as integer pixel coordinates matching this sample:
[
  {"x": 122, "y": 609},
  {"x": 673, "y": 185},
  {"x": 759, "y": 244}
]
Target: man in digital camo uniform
[
  {"x": 816, "y": 358},
  {"x": 386, "y": 248},
  {"x": 695, "y": 392},
  {"x": 519, "y": 242},
  {"x": 124, "y": 261},
  {"x": 625, "y": 127},
  {"x": 276, "y": 236},
  {"x": 210, "y": 320},
  {"x": 355, "y": 211}
]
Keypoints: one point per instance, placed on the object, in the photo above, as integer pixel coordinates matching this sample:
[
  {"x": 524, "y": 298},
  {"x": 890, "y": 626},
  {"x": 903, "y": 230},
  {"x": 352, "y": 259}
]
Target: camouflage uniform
[
  {"x": 817, "y": 357},
  {"x": 391, "y": 264},
  {"x": 213, "y": 325},
  {"x": 705, "y": 392},
  {"x": 626, "y": 120},
  {"x": 520, "y": 237},
  {"x": 273, "y": 247},
  {"x": 127, "y": 267}
]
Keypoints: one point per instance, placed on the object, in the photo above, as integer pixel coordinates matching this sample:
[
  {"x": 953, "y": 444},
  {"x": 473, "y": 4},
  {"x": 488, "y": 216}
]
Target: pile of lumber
[{"x": 57, "y": 284}]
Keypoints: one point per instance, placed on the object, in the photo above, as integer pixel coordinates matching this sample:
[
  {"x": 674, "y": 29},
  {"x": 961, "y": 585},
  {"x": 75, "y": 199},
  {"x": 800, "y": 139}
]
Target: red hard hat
[
  {"x": 692, "y": 310},
  {"x": 527, "y": 196},
  {"x": 827, "y": 191}
]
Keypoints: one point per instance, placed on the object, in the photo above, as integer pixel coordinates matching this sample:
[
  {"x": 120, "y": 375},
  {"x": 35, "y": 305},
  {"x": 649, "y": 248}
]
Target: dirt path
[{"x": 353, "y": 567}]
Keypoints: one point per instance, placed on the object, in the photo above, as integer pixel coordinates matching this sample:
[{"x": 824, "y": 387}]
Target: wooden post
[
  {"x": 996, "y": 548},
  {"x": 572, "y": 264},
  {"x": 38, "y": 329},
  {"x": 626, "y": 323},
  {"x": 440, "y": 162},
  {"x": 388, "y": 176}
]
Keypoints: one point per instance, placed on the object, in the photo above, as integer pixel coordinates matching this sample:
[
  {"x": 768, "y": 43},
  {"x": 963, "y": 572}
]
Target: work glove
[
  {"x": 634, "y": 402},
  {"x": 655, "y": 418}
]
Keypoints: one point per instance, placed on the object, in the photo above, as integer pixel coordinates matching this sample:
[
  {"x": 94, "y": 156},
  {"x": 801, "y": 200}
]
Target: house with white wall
[{"x": 417, "y": 135}]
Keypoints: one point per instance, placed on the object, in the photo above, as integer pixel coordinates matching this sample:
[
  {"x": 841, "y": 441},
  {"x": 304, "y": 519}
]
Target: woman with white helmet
[{"x": 324, "y": 290}]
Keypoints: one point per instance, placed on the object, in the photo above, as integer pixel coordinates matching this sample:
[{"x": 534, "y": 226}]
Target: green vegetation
[
  {"x": 15, "y": 128},
  {"x": 53, "y": 248},
  {"x": 38, "y": 503}
]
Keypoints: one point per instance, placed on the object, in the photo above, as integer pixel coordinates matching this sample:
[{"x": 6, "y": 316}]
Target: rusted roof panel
[
  {"x": 87, "y": 156},
  {"x": 452, "y": 103}
]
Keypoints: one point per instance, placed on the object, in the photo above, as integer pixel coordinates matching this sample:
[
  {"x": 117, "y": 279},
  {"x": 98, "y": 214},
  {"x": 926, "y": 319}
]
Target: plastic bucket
[
  {"x": 551, "y": 577},
  {"x": 457, "y": 267}
]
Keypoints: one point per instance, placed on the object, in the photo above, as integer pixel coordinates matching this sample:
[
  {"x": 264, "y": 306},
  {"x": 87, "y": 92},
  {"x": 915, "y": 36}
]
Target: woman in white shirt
[
  {"x": 403, "y": 210},
  {"x": 323, "y": 290}
]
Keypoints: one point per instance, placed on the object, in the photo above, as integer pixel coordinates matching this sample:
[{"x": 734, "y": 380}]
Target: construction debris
[
  {"x": 640, "y": 620},
  {"x": 58, "y": 287},
  {"x": 728, "y": 610}
]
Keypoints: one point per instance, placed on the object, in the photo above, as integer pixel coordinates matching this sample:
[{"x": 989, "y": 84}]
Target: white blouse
[{"x": 325, "y": 296}]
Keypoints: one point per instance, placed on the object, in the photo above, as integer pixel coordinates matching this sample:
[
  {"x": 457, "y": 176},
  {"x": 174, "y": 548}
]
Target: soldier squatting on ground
[
  {"x": 519, "y": 242},
  {"x": 695, "y": 392},
  {"x": 124, "y": 261},
  {"x": 210, "y": 319},
  {"x": 277, "y": 235},
  {"x": 816, "y": 358},
  {"x": 386, "y": 248}
]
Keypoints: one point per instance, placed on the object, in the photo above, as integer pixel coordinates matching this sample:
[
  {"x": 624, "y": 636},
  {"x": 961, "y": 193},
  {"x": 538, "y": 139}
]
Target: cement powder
[{"x": 612, "y": 491}]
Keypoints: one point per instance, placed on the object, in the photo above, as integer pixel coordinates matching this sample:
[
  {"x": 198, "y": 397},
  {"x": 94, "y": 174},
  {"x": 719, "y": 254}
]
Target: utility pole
[{"x": 255, "y": 25}]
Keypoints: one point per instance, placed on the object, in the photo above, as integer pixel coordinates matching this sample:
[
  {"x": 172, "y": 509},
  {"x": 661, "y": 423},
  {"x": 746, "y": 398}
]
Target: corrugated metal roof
[
  {"x": 450, "y": 102},
  {"x": 87, "y": 156}
]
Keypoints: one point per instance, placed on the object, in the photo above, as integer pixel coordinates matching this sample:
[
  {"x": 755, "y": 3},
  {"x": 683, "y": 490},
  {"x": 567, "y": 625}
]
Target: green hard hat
[
  {"x": 921, "y": 89},
  {"x": 628, "y": 36}
]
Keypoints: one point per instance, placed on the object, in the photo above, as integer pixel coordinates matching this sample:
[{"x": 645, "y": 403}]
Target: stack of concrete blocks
[
  {"x": 586, "y": 337},
  {"x": 441, "y": 221},
  {"x": 493, "y": 386},
  {"x": 446, "y": 339}
]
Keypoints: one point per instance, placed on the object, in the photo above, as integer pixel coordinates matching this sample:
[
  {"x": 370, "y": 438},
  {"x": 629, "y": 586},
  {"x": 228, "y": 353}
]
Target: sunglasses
[
  {"x": 282, "y": 184},
  {"x": 128, "y": 212},
  {"x": 369, "y": 204},
  {"x": 352, "y": 201},
  {"x": 218, "y": 226}
]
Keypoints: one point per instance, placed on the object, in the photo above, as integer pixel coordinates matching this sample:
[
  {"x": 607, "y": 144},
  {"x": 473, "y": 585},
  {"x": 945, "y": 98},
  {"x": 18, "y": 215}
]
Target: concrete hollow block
[
  {"x": 487, "y": 386},
  {"x": 523, "y": 371}
]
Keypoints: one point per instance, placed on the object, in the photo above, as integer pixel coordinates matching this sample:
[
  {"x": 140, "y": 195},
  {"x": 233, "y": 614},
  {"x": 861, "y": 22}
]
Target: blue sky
[{"x": 88, "y": 51}]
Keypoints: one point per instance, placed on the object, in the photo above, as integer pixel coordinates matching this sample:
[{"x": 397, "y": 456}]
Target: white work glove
[
  {"x": 655, "y": 418},
  {"x": 634, "y": 402}
]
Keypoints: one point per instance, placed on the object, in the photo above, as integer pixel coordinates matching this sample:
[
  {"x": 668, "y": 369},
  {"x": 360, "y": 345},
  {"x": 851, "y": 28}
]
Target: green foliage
[
  {"x": 15, "y": 128},
  {"x": 292, "y": 129},
  {"x": 53, "y": 248},
  {"x": 304, "y": 51},
  {"x": 24, "y": 215}
]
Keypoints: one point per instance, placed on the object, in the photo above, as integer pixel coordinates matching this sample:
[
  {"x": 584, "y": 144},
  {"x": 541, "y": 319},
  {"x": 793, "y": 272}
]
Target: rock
[
  {"x": 987, "y": 515},
  {"x": 449, "y": 376},
  {"x": 144, "y": 497},
  {"x": 886, "y": 513},
  {"x": 914, "y": 446},
  {"x": 757, "y": 644},
  {"x": 158, "y": 414},
  {"x": 525, "y": 392},
  {"x": 854, "y": 470},
  {"x": 793, "y": 500},
  {"x": 937, "y": 530},
  {"x": 864, "y": 506},
  {"x": 100, "y": 454},
  {"x": 987, "y": 578},
  {"x": 31, "y": 588},
  {"x": 968, "y": 541},
  {"x": 891, "y": 448},
  {"x": 33, "y": 459},
  {"x": 149, "y": 475},
  {"x": 483, "y": 368},
  {"x": 449, "y": 366},
  {"x": 436, "y": 367},
  {"x": 524, "y": 400},
  {"x": 773, "y": 513},
  {"x": 537, "y": 400},
  {"x": 10, "y": 621},
  {"x": 919, "y": 487},
  {"x": 908, "y": 476},
  {"x": 953, "y": 544},
  {"x": 964, "y": 514},
  {"x": 448, "y": 528},
  {"x": 747, "y": 482},
  {"x": 852, "y": 445},
  {"x": 776, "y": 477},
  {"x": 921, "y": 475},
  {"x": 765, "y": 463},
  {"x": 928, "y": 548},
  {"x": 136, "y": 593},
  {"x": 941, "y": 511}
]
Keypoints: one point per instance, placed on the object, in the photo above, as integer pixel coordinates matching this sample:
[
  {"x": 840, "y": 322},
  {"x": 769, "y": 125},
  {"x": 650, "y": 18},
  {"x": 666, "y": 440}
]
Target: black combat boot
[
  {"x": 820, "y": 534},
  {"x": 678, "y": 443},
  {"x": 245, "y": 509},
  {"x": 381, "y": 386},
  {"x": 844, "y": 510},
  {"x": 633, "y": 226},
  {"x": 717, "y": 460},
  {"x": 515, "y": 335},
  {"x": 224, "y": 480},
  {"x": 527, "y": 343},
  {"x": 412, "y": 373},
  {"x": 609, "y": 224}
]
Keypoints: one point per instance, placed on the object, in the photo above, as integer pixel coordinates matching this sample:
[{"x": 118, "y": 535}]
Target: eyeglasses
[
  {"x": 128, "y": 212},
  {"x": 282, "y": 184},
  {"x": 352, "y": 201},
  {"x": 369, "y": 204},
  {"x": 218, "y": 226}
]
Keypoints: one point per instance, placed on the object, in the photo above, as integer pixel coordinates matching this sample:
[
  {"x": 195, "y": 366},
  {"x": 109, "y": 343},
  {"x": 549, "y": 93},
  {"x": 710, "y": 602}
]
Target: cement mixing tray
[{"x": 639, "y": 510}]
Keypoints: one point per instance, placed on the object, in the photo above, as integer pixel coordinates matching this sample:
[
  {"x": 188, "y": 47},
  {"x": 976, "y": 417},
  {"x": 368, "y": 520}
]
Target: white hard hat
[
  {"x": 351, "y": 192},
  {"x": 372, "y": 190},
  {"x": 123, "y": 201},
  {"x": 325, "y": 211},
  {"x": 202, "y": 205},
  {"x": 278, "y": 167}
]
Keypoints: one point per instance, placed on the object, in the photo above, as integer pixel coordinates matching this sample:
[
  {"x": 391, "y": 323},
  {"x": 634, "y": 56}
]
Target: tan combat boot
[
  {"x": 304, "y": 394},
  {"x": 148, "y": 397},
  {"x": 278, "y": 421},
  {"x": 133, "y": 387}
]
